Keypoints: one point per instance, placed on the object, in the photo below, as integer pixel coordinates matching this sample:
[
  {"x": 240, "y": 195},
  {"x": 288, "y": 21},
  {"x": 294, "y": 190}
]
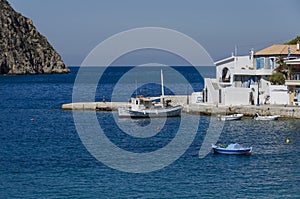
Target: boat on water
[
  {"x": 232, "y": 149},
  {"x": 231, "y": 117},
  {"x": 145, "y": 107},
  {"x": 270, "y": 117}
]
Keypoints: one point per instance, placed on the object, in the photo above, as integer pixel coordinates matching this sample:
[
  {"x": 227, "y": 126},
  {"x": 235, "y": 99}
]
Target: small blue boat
[{"x": 232, "y": 149}]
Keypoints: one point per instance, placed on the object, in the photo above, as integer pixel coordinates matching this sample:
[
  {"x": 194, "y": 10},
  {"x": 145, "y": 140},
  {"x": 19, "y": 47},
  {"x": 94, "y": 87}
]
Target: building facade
[
  {"x": 293, "y": 81},
  {"x": 245, "y": 80}
]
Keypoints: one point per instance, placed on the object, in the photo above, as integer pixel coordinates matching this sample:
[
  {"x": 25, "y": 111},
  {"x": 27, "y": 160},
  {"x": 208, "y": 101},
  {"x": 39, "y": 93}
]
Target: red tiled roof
[{"x": 279, "y": 49}]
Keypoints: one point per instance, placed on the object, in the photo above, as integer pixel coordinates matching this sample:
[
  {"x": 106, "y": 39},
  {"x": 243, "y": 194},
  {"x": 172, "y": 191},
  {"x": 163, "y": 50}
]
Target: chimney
[{"x": 298, "y": 45}]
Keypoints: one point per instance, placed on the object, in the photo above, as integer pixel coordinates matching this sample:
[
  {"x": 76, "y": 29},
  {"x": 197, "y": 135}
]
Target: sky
[{"x": 75, "y": 27}]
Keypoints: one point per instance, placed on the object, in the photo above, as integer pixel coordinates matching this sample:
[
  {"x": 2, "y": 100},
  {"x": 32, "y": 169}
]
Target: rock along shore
[{"x": 23, "y": 50}]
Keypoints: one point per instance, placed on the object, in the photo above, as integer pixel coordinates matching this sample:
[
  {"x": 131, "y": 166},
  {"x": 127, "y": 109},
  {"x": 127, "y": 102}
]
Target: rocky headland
[{"x": 23, "y": 50}]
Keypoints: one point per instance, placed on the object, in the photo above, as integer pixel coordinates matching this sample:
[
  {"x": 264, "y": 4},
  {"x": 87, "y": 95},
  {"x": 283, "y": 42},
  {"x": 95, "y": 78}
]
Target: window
[
  {"x": 225, "y": 75},
  {"x": 260, "y": 63},
  {"x": 271, "y": 63}
]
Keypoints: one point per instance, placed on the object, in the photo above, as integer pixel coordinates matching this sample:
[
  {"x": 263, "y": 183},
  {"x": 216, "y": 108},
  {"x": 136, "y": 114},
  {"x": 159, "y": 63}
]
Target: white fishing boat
[
  {"x": 270, "y": 117},
  {"x": 144, "y": 107},
  {"x": 231, "y": 117}
]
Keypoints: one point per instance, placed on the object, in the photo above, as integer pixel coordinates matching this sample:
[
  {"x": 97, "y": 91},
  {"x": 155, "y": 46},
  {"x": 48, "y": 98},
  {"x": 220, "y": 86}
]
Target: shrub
[{"x": 277, "y": 78}]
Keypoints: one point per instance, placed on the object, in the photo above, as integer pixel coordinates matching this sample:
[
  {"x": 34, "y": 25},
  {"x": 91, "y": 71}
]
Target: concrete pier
[
  {"x": 113, "y": 106},
  {"x": 283, "y": 111},
  {"x": 199, "y": 109},
  {"x": 94, "y": 106}
]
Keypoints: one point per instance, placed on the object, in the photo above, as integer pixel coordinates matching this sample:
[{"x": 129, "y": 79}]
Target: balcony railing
[
  {"x": 294, "y": 77},
  {"x": 293, "y": 80}
]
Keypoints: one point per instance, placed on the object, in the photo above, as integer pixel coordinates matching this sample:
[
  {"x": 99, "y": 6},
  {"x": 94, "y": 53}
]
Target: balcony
[
  {"x": 252, "y": 72},
  {"x": 293, "y": 80}
]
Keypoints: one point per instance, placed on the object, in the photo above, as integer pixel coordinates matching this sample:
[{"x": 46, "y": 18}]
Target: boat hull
[
  {"x": 233, "y": 152},
  {"x": 150, "y": 113},
  {"x": 271, "y": 117},
  {"x": 232, "y": 149},
  {"x": 231, "y": 117},
  {"x": 266, "y": 118}
]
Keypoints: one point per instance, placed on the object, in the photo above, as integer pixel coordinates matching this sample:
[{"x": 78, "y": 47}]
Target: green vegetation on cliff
[{"x": 293, "y": 41}]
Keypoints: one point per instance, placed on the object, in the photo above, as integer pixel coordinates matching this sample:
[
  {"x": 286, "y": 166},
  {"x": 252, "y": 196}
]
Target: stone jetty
[
  {"x": 198, "y": 109},
  {"x": 283, "y": 111},
  {"x": 93, "y": 106}
]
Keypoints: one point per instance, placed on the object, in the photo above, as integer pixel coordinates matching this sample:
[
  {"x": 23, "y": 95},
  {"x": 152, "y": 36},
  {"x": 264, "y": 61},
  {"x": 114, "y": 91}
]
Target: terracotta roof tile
[{"x": 279, "y": 49}]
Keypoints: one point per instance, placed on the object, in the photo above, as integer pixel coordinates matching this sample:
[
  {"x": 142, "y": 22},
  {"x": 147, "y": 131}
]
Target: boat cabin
[{"x": 141, "y": 102}]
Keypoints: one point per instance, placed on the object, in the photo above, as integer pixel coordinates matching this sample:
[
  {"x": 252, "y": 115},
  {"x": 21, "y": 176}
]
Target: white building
[
  {"x": 244, "y": 80},
  {"x": 293, "y": 81}
]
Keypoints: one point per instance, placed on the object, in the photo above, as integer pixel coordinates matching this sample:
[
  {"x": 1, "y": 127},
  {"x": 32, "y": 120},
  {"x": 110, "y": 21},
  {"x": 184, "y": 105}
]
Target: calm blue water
[{"x": 46, "y": 158}]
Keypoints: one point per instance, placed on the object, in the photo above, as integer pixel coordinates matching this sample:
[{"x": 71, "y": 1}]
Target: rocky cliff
[{"x": 23, "y": 50}]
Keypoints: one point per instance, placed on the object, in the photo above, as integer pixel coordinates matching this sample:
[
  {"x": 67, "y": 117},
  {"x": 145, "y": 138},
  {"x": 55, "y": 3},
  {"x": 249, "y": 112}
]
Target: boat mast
[
  {"x": 136, "y": 89},
  {"x": 162, "y": 86}
]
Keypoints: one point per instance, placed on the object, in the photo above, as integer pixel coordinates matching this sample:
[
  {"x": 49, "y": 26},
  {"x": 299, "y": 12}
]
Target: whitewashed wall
[
  {"x": 237, "y": 63},
  {"x": 235, "y": 96},
  {"x": 279, "y": 94},
  {"x": 212, "y": 93},
  {"x": 197, "y": 98}
]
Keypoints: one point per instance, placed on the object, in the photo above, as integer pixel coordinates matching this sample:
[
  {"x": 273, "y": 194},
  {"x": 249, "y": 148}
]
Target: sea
[{"x": 43, "y": 155}]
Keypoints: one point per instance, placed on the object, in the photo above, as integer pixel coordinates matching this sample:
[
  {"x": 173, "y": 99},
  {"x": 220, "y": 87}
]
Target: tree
[
  {"x": 293, "y": 41},
  {"x": 277, "y": 78},
  {"x": 282, "y": 67}
]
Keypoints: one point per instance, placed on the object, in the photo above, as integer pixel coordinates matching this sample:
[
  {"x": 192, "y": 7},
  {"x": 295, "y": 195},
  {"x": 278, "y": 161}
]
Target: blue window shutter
[
  {"x": 262, "y": 63},
  {"x": 257, "y": 63}
]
